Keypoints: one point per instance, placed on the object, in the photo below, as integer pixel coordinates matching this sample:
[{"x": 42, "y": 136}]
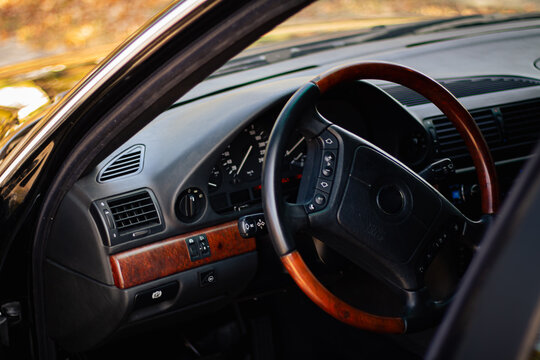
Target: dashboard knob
[{"x": 190, "y": 204}]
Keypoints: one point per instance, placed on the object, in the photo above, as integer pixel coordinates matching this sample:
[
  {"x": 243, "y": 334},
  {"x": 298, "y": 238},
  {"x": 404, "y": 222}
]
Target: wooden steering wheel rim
[{"x": 474, "y": 141}]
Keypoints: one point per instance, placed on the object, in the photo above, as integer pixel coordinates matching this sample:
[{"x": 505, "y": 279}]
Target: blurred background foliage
[
  {"x": 68, "y": 24},
  {"x": 75, "y": 24}
]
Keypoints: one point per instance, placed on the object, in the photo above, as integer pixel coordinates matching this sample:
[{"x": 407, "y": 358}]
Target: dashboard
[{"x": 151, "y": 232}]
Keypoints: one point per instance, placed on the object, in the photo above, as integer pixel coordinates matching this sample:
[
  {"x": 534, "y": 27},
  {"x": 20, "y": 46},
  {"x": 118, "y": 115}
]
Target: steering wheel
[{"x": 367, "y": 205}]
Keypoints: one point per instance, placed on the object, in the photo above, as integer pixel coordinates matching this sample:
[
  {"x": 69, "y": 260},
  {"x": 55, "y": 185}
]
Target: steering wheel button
[
  {"x": 320, "y": 199},
  {"x": 455, "y": 228},
  {"x": 324, "y": 185},
  {"x": 329, "y": 157},
  {"x": 390, "y": 199},
  {"x": 327, "y": 171},
  {"x": 440, "y": 240},
  {"x": 329, "y": 141}
]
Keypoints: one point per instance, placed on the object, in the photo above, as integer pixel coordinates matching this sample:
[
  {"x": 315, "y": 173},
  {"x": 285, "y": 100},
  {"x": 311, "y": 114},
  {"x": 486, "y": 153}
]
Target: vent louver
[
  {"x": 133, "y": 212},
  {"x": 510, "y": 130},
  {"x": 130, "y": 162},
  {"x": 522, "y": 122},
  {"x": 462, "y": 87},
  {"x": 450, "y": 142}
]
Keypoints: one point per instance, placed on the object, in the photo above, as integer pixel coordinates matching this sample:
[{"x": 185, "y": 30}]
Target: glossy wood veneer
[
  {"x": 170, "y": 256},
  {"x": 334, "y": 306},
  {"x": 440, "y": 97}
]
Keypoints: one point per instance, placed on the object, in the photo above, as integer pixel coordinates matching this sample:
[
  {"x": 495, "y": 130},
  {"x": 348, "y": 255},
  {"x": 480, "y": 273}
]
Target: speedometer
[{"x": 242, "y": 160}]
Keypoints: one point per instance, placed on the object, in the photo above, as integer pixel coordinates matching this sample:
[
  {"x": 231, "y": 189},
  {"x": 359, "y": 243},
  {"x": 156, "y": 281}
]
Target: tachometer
[{"x": 295, "y": 155}]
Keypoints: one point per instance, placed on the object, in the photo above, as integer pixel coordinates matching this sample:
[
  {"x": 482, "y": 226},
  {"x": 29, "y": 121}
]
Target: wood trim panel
[
  {"x": 334, "y": 306},
  {"x": 170, "y": 256},
  {"x": 444, "y": 100}
]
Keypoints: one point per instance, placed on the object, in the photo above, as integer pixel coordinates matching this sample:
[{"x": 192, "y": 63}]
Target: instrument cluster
[{"x": 234, "y": 183}]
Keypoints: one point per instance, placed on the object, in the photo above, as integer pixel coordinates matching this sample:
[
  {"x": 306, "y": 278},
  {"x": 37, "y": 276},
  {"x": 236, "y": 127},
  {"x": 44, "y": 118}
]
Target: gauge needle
[
  {"x": 244, "y": 160},
  {"x": 289, "y": 152}
]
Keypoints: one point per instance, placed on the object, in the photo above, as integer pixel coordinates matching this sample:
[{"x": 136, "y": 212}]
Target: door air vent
[
  {"x": 510, "y": 130},
  {"x": 129, "y": 216},
  {"x": 130, "y": 162},
  {"x": 461, "y": 87}
]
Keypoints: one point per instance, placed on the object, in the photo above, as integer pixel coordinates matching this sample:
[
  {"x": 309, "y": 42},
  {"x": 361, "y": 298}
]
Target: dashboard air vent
[
  {"x": 127, "y": 216},
  {"x": 450, "y": 142},
  {"x": 130, "y": 162},
  {"x": 522, "y": 122},
  {"x": 132, "y": 212},
  {"x": 462, "y": 87},
  {"x": 511, "y": 131}
]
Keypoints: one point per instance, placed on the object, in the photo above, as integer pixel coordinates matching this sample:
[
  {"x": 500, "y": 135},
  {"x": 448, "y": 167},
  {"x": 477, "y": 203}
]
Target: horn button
[
  {"x": 385, "y": 207},
  {"x": 390, "y": 199}
]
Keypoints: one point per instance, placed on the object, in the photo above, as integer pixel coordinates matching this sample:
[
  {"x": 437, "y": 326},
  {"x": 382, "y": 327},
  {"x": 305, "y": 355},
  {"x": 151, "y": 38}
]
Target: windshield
[
  {"x": 326, "y": 17},
  {"x": 48, "y": 46}
]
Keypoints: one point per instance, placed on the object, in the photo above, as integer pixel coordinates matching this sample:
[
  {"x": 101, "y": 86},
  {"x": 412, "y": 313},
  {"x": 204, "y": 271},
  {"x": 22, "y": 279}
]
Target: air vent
[
  {"x": 522, "y": 122},
  {"x": 130, "y": 162},
  {"x": 134, "y": 212},
  {"x": 462, "y": 87},
  {"x": 510, "y": 130},
  {"x": 450, "y": 142},
  {"x": 128, "y": 216}
]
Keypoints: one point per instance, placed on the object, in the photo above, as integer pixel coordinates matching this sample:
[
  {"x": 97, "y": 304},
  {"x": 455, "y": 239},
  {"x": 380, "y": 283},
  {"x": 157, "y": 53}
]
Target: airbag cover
[{"x": 393, "y": 235}]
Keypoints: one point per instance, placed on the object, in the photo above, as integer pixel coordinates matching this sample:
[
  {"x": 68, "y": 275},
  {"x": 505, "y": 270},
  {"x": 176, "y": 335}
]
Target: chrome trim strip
[{"x": 89, "y": 84}]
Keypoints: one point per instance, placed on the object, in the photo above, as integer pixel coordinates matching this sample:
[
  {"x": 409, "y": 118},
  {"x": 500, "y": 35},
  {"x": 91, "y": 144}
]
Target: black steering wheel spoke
[{"x": 295, "y": 216}]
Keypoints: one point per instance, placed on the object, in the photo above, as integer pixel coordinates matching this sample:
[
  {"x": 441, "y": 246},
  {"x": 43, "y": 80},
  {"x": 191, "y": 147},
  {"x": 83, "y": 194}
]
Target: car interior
[{"x": 165, "y": 245}]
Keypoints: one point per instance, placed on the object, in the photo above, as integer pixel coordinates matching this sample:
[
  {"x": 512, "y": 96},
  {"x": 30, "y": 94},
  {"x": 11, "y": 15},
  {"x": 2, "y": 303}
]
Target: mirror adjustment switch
[
  {"x": 198, "y": 247},
  {"x": 204, "y": 247}
]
